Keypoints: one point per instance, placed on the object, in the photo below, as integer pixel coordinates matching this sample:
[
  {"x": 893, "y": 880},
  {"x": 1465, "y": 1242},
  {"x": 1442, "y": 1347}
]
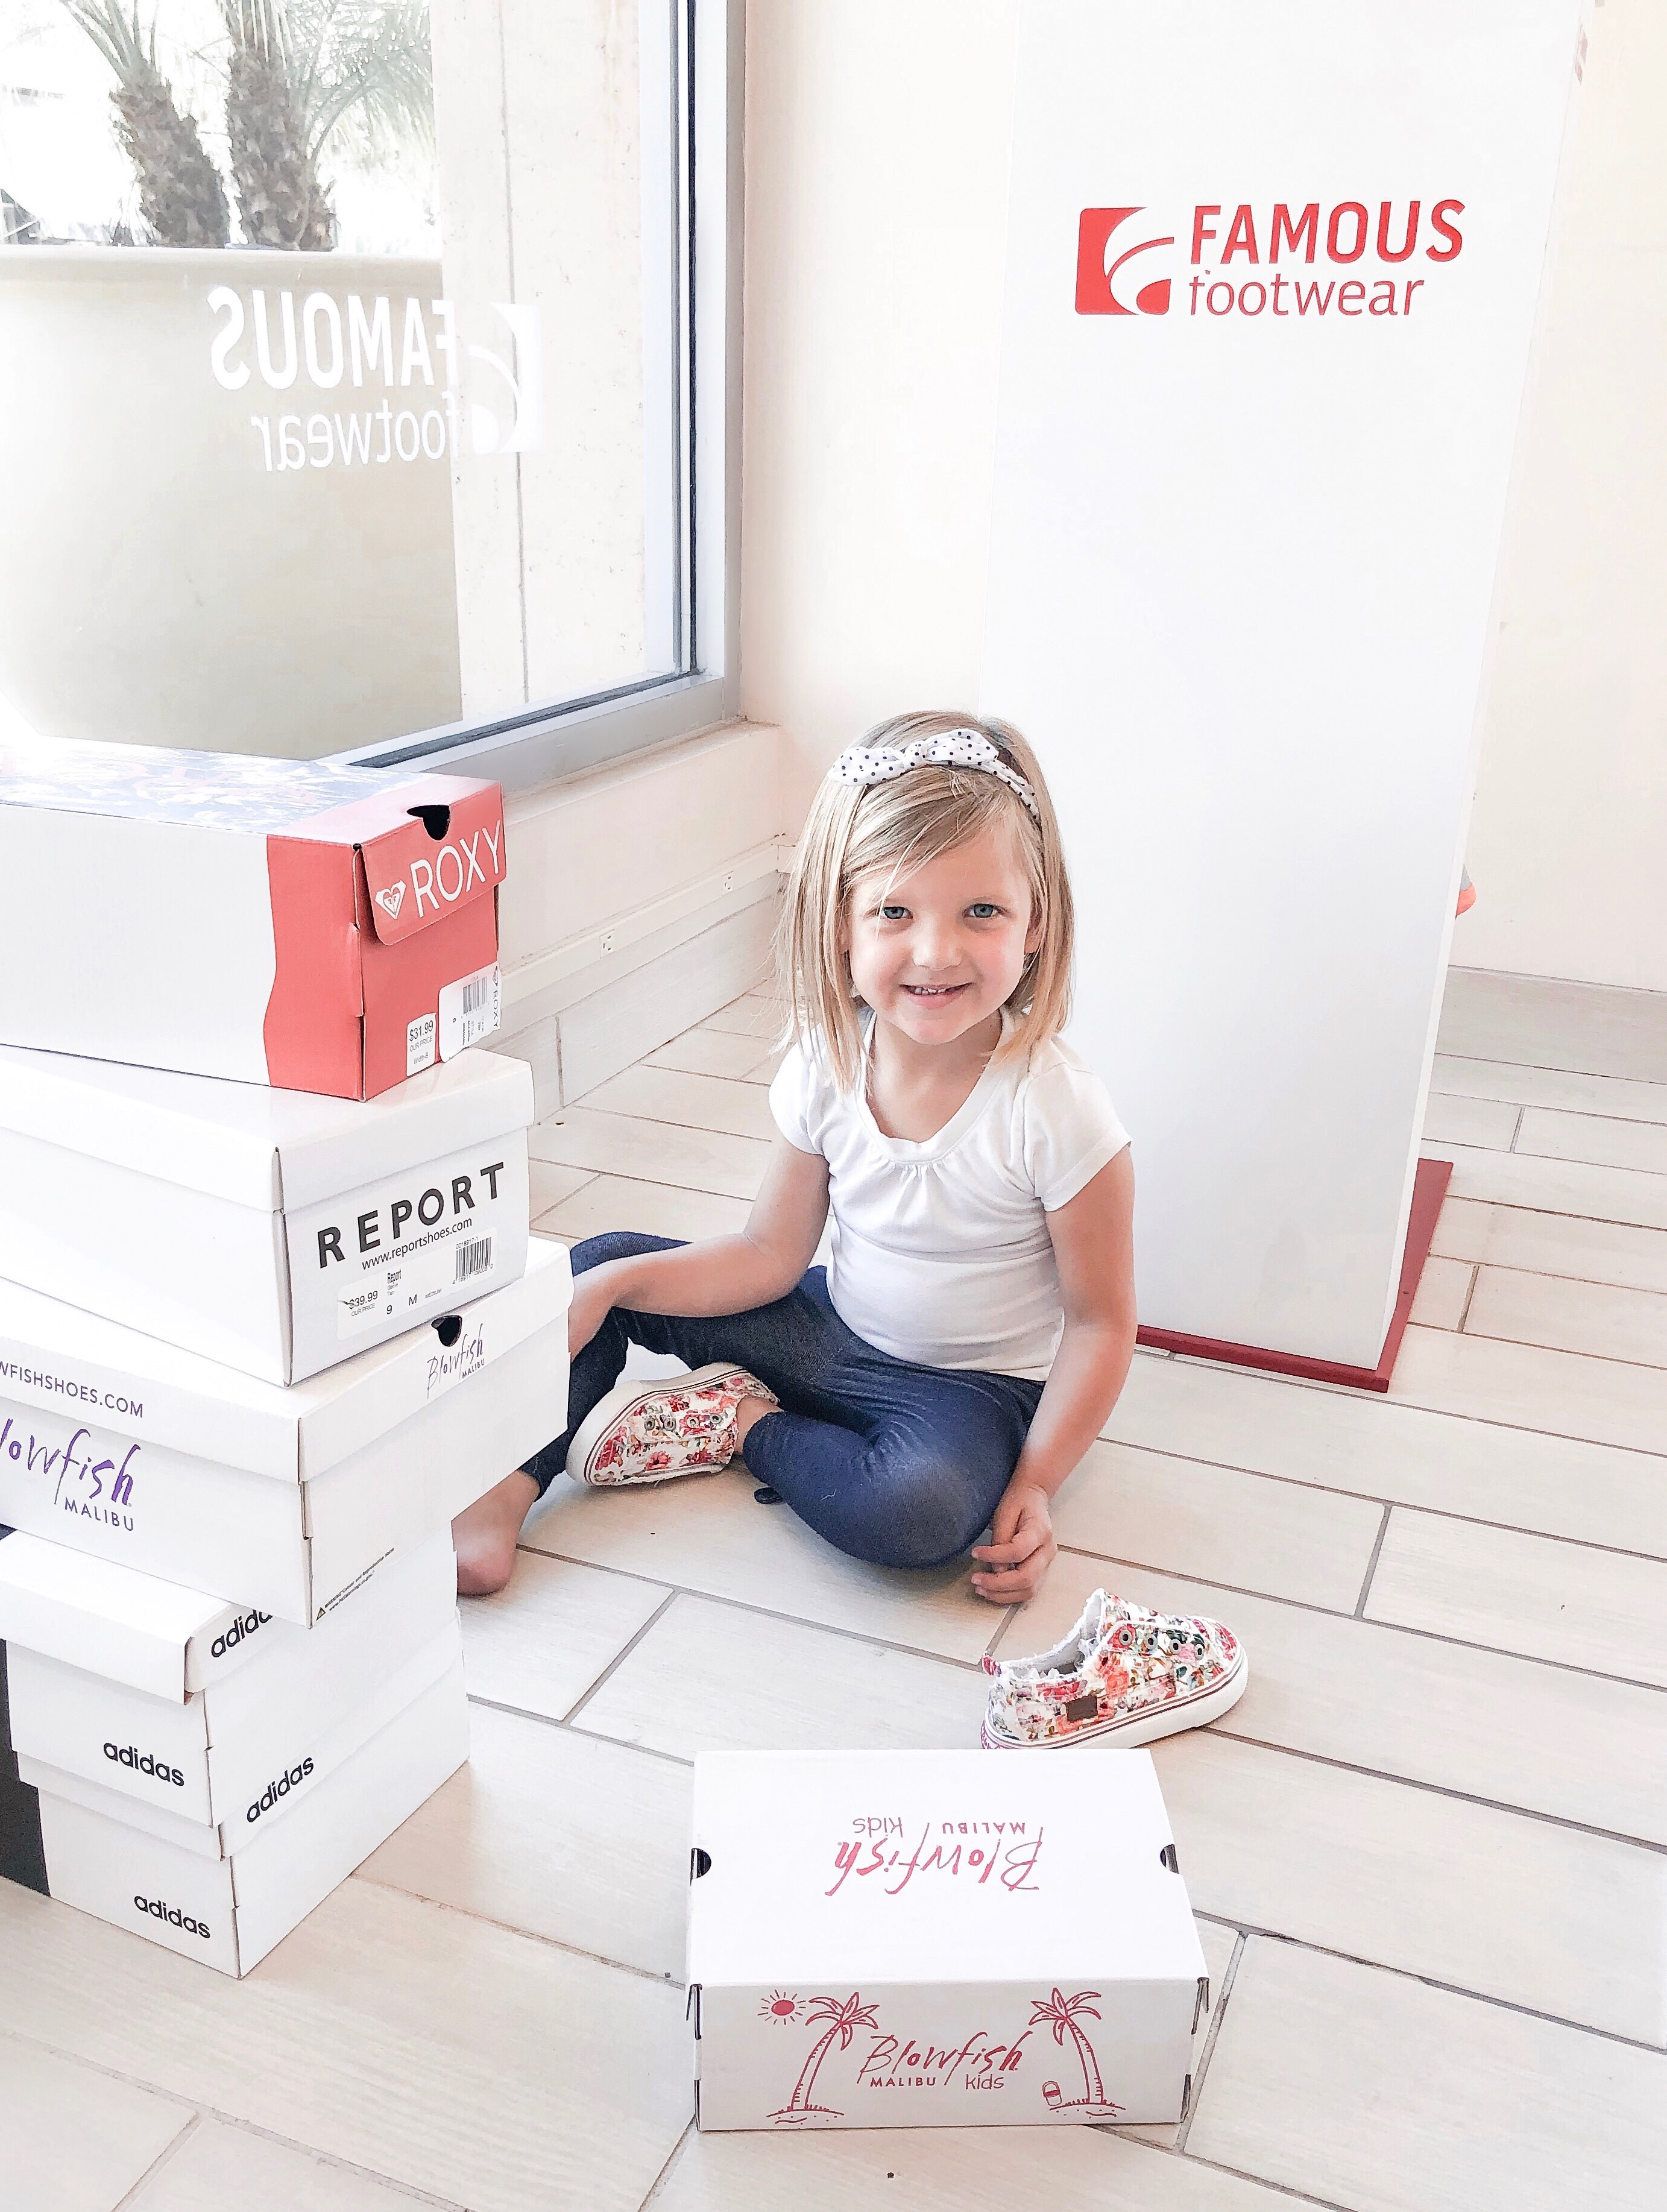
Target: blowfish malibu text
[{"x": 1122, "y": 253}]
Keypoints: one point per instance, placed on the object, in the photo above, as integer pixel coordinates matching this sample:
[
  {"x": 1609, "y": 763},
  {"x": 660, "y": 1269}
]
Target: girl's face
[{"x": 939, "y": 951}]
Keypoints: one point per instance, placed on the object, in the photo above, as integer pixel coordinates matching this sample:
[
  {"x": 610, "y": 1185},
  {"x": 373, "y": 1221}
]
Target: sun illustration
[{"x": 781, "y": 2009}]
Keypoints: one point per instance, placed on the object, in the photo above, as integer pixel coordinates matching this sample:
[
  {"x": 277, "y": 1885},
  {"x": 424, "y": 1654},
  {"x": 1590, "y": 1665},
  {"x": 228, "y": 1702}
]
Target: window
[{"x": 366, "y": 368}]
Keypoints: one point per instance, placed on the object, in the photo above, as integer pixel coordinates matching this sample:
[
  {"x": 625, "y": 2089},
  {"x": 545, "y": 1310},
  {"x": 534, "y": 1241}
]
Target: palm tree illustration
[
  {"x": 843, "y": 2020},
  {"x": 1060, "y": 2012}
]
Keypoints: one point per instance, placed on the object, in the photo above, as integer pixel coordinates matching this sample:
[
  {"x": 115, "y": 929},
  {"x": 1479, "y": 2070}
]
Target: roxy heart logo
[
  {"x": 391, "y": 900},
  {"x": 1102, "y": 254}
]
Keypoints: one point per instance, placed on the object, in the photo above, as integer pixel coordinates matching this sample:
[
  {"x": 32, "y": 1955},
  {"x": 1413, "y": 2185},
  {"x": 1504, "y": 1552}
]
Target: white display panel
[{"x": 1243, "y": 556}]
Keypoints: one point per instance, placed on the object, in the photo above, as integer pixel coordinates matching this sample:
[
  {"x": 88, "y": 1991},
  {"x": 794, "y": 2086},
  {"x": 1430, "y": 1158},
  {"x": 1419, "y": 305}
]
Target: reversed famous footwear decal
[
  {"x": 644, "y": 1432},
  {"x": 1124, "y": 1676}
]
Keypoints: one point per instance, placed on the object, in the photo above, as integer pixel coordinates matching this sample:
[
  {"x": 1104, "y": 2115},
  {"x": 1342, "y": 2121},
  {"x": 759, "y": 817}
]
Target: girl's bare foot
[{"x": 484, "y": 1535}]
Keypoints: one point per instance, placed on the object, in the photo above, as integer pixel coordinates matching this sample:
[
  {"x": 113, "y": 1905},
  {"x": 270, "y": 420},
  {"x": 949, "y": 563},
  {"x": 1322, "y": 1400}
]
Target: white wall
[
  {"x": 878, "y": 142},
  {"x": 1568, "y": 841}
]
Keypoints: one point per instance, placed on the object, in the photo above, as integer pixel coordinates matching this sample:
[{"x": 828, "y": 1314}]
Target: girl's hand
[{"x": 1021, "y": 1548}]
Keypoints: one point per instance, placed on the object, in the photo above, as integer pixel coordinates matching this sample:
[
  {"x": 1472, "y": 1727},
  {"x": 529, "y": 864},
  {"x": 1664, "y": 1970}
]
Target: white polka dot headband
[{"x": 949, "y": 748}]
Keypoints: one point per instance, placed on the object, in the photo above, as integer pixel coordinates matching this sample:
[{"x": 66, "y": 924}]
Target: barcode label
[
  {"x": 474, "y": 1257},
  {"x": 470, "y": 1009}
]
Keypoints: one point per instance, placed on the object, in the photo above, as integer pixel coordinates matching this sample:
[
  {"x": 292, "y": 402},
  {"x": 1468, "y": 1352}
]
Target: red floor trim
[{"x": 1429, "y": 1188}]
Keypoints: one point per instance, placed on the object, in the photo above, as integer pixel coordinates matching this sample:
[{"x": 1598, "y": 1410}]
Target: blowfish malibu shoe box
[
  {"x": 276, "y": 921},
  {"x": 126, "y": 1448},
  {"x": 229, "y": 1910},
  {"x": 274, "y": 1231},
  {"x": 233, "y": 1754},
  {"x": 932, "y": 1938}
]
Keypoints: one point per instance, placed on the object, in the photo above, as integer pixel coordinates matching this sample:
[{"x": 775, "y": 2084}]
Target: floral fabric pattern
[
  {"x": 672, "y": 1430},
  {"x": 1120, "y": 1664}
]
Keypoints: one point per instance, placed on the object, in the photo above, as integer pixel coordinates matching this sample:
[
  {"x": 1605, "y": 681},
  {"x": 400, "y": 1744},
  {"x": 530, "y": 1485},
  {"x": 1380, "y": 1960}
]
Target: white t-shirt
[{"x": 941, "y": 1252}]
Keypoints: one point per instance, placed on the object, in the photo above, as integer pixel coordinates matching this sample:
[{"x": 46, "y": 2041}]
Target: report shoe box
[
  {"x": 232, "y": 1753},
  {"x": 228, "y": 1913},
  {"x": 938, "y": 1939},
  {"x": 276, "y": 921},
  {"x": 130, "y": 1451},
  {"x": 274, "y": 1231}
]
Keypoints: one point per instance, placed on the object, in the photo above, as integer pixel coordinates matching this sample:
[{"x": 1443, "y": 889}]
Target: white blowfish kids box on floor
[{"x": 938, "y": 1939}]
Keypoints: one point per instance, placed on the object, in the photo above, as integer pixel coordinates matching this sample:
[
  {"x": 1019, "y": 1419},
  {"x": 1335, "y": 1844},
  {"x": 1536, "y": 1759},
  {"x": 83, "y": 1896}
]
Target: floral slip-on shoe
[
  {"x": 1123, "y": 1676},
  {"x": 645, "y": 1432}
]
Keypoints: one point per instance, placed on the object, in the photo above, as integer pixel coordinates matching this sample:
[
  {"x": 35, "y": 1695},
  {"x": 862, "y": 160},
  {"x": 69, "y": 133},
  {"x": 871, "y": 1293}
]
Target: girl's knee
[
  {"x": 929, "y": 1511},
  {"x": 616, "y": 1244}
]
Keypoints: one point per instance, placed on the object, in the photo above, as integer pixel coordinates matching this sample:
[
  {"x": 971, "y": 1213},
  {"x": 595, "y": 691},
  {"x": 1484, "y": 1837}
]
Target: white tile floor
[{"x": 1429, "y": 1850}]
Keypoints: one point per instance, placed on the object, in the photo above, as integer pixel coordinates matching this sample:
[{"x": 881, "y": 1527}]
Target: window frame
[{"x": 536, "y": 745}]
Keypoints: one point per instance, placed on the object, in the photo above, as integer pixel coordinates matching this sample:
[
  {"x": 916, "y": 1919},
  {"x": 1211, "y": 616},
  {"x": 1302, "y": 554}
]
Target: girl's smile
[{"x": 937, "y": 951}]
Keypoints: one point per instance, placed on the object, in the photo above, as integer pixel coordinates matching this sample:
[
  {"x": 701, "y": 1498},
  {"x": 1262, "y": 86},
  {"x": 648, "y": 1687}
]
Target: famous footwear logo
[
  {"x": 390, "y": 380},
  {"x": 1278, "y": 259},
  {"x": 93, "y": 1485}
]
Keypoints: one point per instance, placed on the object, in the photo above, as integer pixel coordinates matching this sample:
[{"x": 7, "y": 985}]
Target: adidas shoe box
[
  {"x": 938, "y": 1939},
  {"x": 125, "y": 1863},
  {"x": 260, "y": 1735},
  {"x": 275, "y": 1231},
  {"x": 130, "y": 1451},
  {"x": 276, "y": 921}
]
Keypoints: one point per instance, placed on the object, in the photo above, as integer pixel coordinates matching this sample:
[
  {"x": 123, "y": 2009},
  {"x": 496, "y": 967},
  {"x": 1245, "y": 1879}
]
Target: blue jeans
[{"x": 892, "y": 1463}]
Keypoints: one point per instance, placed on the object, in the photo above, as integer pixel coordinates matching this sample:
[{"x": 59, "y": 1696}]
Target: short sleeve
[
  {"x": 794, "y": 1100},
  {"x": 1071, "y": 1131}
]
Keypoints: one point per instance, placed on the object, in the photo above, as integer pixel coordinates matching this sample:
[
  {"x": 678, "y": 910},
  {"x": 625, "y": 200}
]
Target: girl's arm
[
  {"x": 725, "y": 1275},
  {"x": 1093, "y": 1240}
]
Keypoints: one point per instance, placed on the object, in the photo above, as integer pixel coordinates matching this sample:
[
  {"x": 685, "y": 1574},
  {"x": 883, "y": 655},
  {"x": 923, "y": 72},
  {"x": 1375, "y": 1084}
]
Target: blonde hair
[{"x": 856, "y": 828}]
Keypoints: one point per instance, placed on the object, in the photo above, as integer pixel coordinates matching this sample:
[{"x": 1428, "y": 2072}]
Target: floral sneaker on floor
[
  {"x": 1124, "y": 1675},
  {"x": 644, "y": 1432}
]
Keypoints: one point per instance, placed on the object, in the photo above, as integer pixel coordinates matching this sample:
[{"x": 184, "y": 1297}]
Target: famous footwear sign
[
  {"x": 389, "y": 380},
  {"x": 1281, "y": 258}
]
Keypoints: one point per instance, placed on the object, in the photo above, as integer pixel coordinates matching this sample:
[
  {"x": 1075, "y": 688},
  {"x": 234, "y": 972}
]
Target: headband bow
[{"x": 869, "y": 764}]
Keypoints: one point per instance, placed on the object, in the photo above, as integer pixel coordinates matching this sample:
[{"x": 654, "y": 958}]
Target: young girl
[{"x": 975, "y": 1324}]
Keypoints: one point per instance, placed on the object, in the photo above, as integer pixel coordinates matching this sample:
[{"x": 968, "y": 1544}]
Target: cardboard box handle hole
[
  {"x": 436, "y": 820},
  {"x": 449, "y": 1328},
  {"x": 700, "y": 1863}
]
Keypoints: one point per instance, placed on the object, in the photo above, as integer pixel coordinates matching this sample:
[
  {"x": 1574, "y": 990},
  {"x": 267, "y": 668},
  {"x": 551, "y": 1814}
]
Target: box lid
[
  {"x": 253, "y": 1145},
  {"x": 150, "y": 783},
  {"x": 92, "y": 1613},
  {"x": 124, "y": 1386},
  {"x": 933, "y": 1866}
]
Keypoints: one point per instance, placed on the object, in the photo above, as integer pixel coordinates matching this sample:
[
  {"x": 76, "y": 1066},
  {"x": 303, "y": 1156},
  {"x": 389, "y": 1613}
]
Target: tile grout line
[
  {"x": 1372, "y": 1564},
  {"x": 1441, "y": 1790},
  {"x": 164, "y": 2157},
  {"x": 1397, "y": 1627},
  {"x": 1457, "y": 1989},
  {"x": 672, "y": 2159},
  {"x": 1218, "y": 2014},
  {"x": 1407, "y": 1505},
  {"x": 237, "y": 2121},
  {"x": 622, "y": 1654},
  {"x": 1475, "y": 1279},
  {"x": 1516, "y": 1130},
  {"x": 773, "y": 1613},
  {"x": 514, "y": 1928}
]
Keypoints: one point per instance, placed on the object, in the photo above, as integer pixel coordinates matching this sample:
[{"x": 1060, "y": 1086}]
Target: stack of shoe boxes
[{"x": 270, "y": 1318}]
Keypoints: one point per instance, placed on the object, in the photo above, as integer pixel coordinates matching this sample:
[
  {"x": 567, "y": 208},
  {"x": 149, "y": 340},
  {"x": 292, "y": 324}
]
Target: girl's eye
[
  {"x": 893, "y": 913},
  {"x": 984, "y": 910}
]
